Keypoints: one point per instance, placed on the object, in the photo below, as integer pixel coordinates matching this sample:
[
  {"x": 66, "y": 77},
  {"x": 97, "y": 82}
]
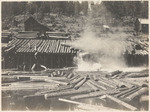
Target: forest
[{"x": 74, "y": 8}]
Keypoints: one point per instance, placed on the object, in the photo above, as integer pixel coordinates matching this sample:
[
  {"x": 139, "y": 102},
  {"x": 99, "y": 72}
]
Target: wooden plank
[{"x": 130, "y": 107}]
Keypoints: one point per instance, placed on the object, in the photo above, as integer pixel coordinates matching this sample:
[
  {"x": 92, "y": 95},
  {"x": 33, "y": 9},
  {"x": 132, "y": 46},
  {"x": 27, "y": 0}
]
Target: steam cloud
[
  {"x": 104, "y": 51},
  {"x": 100, "y": 52}
]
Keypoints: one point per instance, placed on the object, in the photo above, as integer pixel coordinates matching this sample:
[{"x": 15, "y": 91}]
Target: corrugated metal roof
[{"x": 41, "y": 45}]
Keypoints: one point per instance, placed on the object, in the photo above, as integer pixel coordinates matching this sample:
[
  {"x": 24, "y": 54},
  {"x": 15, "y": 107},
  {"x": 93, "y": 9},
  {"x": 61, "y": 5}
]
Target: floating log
[
  {"x": 93, "y": 94},
  {"x": 127, "y": 91},
  {"x": 126, "y": 83},
  {"x": 109, "y": 81},
  {"x": 58, "y": 82},
  {"x": 98, "y": 85},
  {"x": 122, "y": 83},
  {"x": 23, "y": 78},
  {"x": 8, "y": 79},
  {"x": 66, "y": 74},
  {"x": 137, "y": 81},
  {"x": 123, "y": 74},
  {"x": 62, "y": 73},
  {"x": 138, "y": 93},
  {"x": 122, "y": 89},
  {"x": 48, "y": 80},
  {"x": 8, "y": 84},
  {"x": 25, "y": 73},
  {"x": 26, "y": 88},
  {"x": 57, "y": 78},
  {"x": 77, "y": 80},
  {"x": 54, "y": 74},
  {"x": 58, "y": 72},
  {"x": 135, "y": 75},
  {"x": 74, "y": 77},
  {"x": 61, "y": 88},
  {"x": 113, "y": 77},
  {"x": 70, "y": 75},
  {"x": 92, "y": 86},
  {"x": 113, "y": 73},
  {"x": 107, "y": 84},
  {"x": 80, "y": 83},
  {"x": 69, "y": 101},
  {"x": 70, "y": 92},
  {"x": 95, "y": 77},
  {"x": 130, "y": 107},
  {"x": 37, "y": 72}
]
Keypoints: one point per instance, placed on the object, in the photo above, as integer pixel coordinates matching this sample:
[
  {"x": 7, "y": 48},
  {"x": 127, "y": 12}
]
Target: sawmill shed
[
  {"x": 31, "y": 24},
  {"x": 144, "y": 25},
  {"x": 53, "y": 54}
]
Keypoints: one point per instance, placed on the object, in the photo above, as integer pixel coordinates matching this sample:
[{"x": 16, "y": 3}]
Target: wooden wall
[
  {"x": 52, "y": 60},
  {"x": 136, "y": 60}
]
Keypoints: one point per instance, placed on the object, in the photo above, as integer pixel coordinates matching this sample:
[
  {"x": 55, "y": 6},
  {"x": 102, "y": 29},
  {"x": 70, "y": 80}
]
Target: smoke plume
[{"x": 101, "y": 47}]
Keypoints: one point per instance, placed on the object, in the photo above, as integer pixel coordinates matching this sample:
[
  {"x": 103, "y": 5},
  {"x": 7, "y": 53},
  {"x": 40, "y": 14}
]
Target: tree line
[{"x": 72, "y": 8}]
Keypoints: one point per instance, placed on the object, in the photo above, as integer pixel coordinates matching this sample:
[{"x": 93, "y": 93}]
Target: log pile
[{"x": 118, "y": 86}]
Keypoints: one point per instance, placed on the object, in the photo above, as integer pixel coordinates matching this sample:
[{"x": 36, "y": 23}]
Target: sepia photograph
[{"x": 75, "y": 55}]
